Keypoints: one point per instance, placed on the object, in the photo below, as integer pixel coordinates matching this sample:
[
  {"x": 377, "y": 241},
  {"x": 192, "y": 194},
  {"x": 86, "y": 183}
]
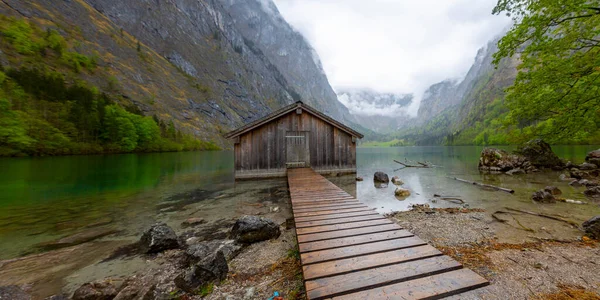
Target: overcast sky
[{"x": 397, "y": 46}]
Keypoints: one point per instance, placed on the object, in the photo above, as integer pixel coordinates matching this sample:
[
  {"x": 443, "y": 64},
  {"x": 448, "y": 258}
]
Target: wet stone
[{"x": 158, "y": 238}]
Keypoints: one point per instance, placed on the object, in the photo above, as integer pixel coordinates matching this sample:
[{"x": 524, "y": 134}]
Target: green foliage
[
  {"x": 21, "y": 35},
  {"x": 79, "y": 61},
  {"x": 556, "y": 95},
  {"x": 205, "y": 289}
]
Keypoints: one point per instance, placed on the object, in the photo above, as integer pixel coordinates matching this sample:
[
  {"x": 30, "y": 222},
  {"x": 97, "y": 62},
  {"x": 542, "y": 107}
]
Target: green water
[{"x": 43, "y": 199}]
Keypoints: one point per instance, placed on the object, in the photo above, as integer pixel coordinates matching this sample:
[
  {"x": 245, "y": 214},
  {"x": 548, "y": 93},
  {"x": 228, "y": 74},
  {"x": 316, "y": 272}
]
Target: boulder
[
  {"x": 587, "y": 166},
  {"x": 381, "y": 177},
  {"x": 593, "y": 157},
  {"x": 192, "y": 222},
  {"x": 543, "y": 196},
  {"x": 396, "y": 180},
  {"x": 592, "y": 227},
  {"x": 97, "y": 290},
  {"x": 517, "y": 171},
  {"x": 211, "y": 268},
  {"x": 575, "y": 183},
  {"x": 13, "y": 292},
  {"x": 359, "y": 178},
  {"x": 553, "y": 190},
  {"x": 402, "y": 193},
  {"x": 252, "y": 229},
  {"x": 540, "y": 154},
  {"x": 569, "y": 165},
  {"x": 589, "y": 174},
  {"x": 158, "y": 238},
  {"x": 593, "y": 192},
  {"x": 499, "y": 161}
]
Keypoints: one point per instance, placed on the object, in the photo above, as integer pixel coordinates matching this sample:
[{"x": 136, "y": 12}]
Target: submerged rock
[
  {"x": 553, "y": 190},
  {"x": 252, "y": 229},
  {"x": 593, "y": 157},
  {"x": 396, "y": 180},
  {"x": 543, "y": 196},
  {"x": 211, "y": 268},
  {"x": 77, "y": 238},
  {"x": 158, "y": 238},
  {"x": 517, "y": 171},
  {"x": 192, "y": 222},
  {"x": 592, "y": 227},
  {"x": 97, "y": 290},
  {"x": 381, "y": 177},
  {"x": 401, "y": 193},
  {"x": 540, "y": 154},
  {"x": 593, "y": 191},
  {"x": 359, "y": 178}
]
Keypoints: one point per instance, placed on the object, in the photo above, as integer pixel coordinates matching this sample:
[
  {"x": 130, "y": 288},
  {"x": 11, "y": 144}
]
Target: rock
[
  {"x": 593, "y": 191},
  {"x": 158, "y": 238},
  {"x": 192, "y": 222},
  {"x": 496, "y": 160},
  {"x": 517, "y": 171},
  {"x": 381, "y": 177},
  {"x": 553, "y": 190},
  {"x": 13, "y": 292},
  {"x": 359, "y": 178},
  {"x": 252, "y": 229},
  {"x": 564, "y": 177},
  {"x": 575, "y": 183},
  {"x": 77, "y": 238},
  {"x": 592, "y": 227},
  {"x": 197, "y": 252},
  {"x": 587, "y": 166},
  {"x": 211, "y": 268},
  {"x": 402, "y": 193},
  {"x": 543, "y": 196},
  {"x": 593, "y": 157},
  {"x": 569, "y": 165},
  {"x": 97, "y": 290},
  {"x": 577, "y": 174},
  {"x": 396, "y": 180},
  {"x": 540, "y": 154}
]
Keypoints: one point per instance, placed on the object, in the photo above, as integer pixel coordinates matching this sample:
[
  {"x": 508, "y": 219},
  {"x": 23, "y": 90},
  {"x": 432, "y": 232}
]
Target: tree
[{"x": 556, "y": 94}]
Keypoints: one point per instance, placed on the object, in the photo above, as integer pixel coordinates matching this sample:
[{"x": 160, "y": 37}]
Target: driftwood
[
  {"x": 506, "y": 221},
  {"x": 452, "y": 199},
  {"x": 484, "y": 185},
  {"x": 545, "y": 216},
  {"x": 411, "y": 166}
]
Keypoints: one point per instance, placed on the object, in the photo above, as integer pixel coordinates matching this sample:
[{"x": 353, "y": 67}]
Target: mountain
[
  {"x": 200, "y": 67},
  {"x": 379, "y": 112},
  {"x": 462, "y": 112}
]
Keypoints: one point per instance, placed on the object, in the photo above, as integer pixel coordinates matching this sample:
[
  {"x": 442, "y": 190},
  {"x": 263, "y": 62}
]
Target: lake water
[{"x": 44, "y": 199}]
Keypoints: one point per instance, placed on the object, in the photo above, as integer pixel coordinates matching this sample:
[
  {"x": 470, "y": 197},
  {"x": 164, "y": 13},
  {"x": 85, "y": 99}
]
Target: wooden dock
[{"x": 349, "y": 251}]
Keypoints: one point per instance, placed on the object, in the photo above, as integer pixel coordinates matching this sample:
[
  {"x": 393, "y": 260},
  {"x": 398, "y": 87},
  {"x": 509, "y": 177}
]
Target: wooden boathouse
[{"x": 294, "y": 136}]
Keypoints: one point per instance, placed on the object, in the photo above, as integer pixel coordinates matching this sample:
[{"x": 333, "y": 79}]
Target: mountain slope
[{"x": 194, "y": 64}]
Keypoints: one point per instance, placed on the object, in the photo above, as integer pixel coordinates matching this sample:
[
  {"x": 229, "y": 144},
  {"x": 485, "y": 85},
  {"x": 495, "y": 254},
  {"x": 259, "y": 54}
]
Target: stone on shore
[
  {"x": 402, "y": 193},
  {"x": 13, "y": 292},
  {"x": 97, "y": 290},
  {"x": 158, "y": 238},
  {"x": 252, "y": 229},
  {"x": 553, "y": 190},
  {"x": 593, "y": 192},
  {"x": 540, "y": 154},
  {"x": 587, "y": 166},
  {"x": 592, "y": 227},
  {"x": 381, "y": 177},
  {"x": 211, "y": 268},
  {"x": 195, "y": 253}
]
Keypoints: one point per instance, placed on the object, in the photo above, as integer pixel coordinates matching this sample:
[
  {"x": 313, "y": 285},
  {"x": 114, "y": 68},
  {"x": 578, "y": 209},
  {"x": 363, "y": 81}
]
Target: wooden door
[{"x": 296, "y": 148}]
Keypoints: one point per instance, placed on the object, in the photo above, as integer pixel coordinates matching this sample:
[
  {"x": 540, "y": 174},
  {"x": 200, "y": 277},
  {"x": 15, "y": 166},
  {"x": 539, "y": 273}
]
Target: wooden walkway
[{"x": 349, "y": 251}]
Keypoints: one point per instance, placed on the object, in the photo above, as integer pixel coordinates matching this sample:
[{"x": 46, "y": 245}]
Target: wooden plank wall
[{"x": 263, "y": 150}]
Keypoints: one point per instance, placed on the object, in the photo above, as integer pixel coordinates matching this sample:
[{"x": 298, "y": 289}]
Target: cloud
[{"x": 392, "y": 46}]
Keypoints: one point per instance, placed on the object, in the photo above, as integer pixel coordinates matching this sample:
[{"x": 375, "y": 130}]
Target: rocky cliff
[{"x": 207, "y": 66}]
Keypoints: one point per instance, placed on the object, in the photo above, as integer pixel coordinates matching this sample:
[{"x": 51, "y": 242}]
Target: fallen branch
[
  {"x": 506, "y": 221},
  {"x": 484, "y": 185},
  {"x": 410, "y": 166},
  {"x": 498, "y": 218},
  {"x": 545, "y": 216},
  {"x": 452, "y": 199}
]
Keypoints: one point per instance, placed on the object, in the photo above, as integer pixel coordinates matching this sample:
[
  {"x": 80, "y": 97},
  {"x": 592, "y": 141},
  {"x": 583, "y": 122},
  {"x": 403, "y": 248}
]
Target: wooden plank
[
  {"x": 353, "y": 240},
  {"x": 328, "y": 204},
  {"x": 320, "y": 200},
  {"x": 348, "y": 232},
  {"x": 342, "y": 266},
  {"x": 336, "y": 227},
  {"x": 350, "y": 251},
  {"x": 381, "y": 276},
  {"x": 431, "y": 287},
  {"x": 338, "y": 221},
  {"x": 333, "y": 211},
  {"x": 337, "y": 216},
  {"x": 311, "y": 209}
]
